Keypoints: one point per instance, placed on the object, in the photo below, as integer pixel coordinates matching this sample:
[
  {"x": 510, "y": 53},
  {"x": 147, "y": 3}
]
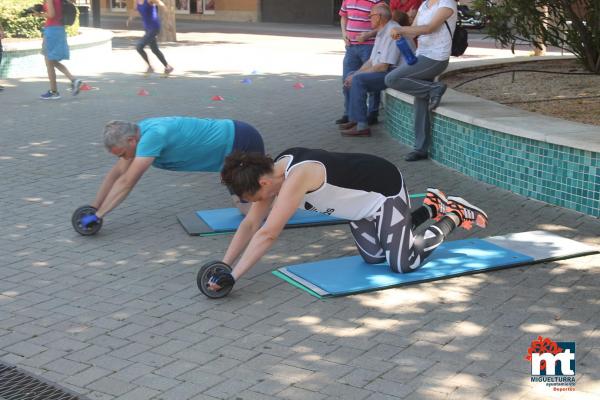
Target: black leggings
[
  {"x": 391, "y": 235},
  {"x": 149, "y": 39}
]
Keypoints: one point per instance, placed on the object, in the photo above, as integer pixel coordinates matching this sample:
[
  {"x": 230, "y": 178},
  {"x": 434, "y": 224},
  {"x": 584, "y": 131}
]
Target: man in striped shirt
[{"x": 354, "y": 21}]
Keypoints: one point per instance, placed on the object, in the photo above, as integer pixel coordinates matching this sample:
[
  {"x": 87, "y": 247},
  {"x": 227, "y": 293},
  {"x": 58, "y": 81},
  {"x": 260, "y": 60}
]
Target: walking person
[
  {"x": 148, "y": 10},
  {"x": 434, "y": 24},
  {"x": 56, "y": 49}
]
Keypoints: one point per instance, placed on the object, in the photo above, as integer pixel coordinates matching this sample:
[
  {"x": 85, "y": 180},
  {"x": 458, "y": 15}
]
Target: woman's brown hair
[{"x": 241, "y": 171}]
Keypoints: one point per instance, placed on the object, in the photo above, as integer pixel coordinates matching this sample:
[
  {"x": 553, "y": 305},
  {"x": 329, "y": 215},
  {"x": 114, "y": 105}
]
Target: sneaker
[
  {"x": 76, "y": 86},
  {"x": 467, "y": 212},
  {"x": 50, "y": 95},
  {"x": 168, "y": 70},
  {"x": 149, "y": 71},
  {"x": 437, "y": 200}
]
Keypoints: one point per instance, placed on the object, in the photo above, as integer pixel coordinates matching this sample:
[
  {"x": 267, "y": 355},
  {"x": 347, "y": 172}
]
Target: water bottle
[{"x": 406, "y": 51}]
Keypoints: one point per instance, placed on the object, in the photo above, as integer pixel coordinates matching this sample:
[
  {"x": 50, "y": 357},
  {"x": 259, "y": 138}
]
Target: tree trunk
[
  {"x": 540, "y": 47},
  {"x": 168, "y": 31}
]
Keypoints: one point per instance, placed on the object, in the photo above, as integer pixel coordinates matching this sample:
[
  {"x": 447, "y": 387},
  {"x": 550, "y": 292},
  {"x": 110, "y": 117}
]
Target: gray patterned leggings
[{"x": 390, "y": 235}]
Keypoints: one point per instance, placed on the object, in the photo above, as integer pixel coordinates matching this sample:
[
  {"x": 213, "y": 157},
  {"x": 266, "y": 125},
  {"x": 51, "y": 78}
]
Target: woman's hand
[{"x": 396, "y": 33}]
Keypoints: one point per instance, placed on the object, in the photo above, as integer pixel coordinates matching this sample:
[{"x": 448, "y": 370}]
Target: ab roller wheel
[
  {"x": 204, "y": 275},
  {"x": 89, "y": 230}
]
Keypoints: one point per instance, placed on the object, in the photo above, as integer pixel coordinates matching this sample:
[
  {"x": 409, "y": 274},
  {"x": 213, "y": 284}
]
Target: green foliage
[
  {"x": 570, "y": 25},
  {"x": 17, "y": 25}
]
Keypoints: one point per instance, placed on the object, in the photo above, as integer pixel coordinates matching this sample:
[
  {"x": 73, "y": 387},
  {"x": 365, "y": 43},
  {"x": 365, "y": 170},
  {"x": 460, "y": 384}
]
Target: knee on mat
[{"x": 403, "y": 268}]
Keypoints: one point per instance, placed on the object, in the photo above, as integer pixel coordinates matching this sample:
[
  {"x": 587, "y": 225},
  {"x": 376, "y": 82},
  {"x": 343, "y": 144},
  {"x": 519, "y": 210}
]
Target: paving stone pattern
[{"x": 119, "y": 316}]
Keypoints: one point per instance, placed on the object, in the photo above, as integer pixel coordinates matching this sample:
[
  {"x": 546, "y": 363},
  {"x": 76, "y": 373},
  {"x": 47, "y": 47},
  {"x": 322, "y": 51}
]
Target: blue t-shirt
[
  {"x": 149, "y": 14},
  {"x": 185, "y": 143}
]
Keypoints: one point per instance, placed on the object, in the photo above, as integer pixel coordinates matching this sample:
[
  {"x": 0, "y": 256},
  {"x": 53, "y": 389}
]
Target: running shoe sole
[{"x": 465, "y": 204}]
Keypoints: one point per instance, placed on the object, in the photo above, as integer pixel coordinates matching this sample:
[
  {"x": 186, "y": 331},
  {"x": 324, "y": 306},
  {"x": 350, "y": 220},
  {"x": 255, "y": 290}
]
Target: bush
[
  {"x": 18, "y": 26},
  {"x": 570, "y": 25}
]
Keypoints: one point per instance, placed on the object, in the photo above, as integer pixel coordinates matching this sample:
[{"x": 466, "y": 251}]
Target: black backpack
[
  {"x": 69, "y": 12},
  {"x": 460, "y": 39}
]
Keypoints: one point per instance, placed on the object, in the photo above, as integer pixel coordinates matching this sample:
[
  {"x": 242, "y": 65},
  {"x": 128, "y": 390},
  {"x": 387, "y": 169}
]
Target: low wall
[
  {"x": 543, "y": 158},
  {"x": 23, "y": 59}
]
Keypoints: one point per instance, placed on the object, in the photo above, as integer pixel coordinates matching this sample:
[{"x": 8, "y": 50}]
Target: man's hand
[
  {"x": 87, "y": 220},
  {"x": 347, "y": 40},
  {"x": 348, "y": 81},
  {"x": 362, "y": 37}
]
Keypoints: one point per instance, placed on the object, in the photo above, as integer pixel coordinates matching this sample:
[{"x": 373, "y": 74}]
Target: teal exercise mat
[
  {"x": 226, "y": 220},
  {"x": 351, "y": 275}
]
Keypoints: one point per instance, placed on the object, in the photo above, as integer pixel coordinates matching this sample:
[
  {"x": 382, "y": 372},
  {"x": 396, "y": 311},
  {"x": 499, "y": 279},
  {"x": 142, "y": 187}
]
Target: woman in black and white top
[
  {"x": 434, "y": 27},
  {"x": 365, "y": 189}
]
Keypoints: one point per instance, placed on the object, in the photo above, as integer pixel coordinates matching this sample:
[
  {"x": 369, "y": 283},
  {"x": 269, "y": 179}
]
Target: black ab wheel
[
  {"x": 89, "y": 230},
  {"x": 206, "y": 272}
]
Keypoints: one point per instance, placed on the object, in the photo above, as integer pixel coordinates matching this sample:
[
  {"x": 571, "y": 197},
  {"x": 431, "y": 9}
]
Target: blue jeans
[
  {"x": 362, "y": 84},
  {"x": 356, "y": 56}
]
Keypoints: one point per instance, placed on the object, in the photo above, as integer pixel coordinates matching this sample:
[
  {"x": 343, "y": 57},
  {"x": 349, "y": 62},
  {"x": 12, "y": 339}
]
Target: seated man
[
  {"x": 365, "y": 189},
  {"x": 171, "y": 143},
  {"x": 371, "y": 76}
]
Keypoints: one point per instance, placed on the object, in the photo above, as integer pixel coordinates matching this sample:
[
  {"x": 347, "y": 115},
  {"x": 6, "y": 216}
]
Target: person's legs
[
  {"x": 154, "y": 47},
  {"x": 352, "y": 62},
  {"x": 374, "y": 99},
  {"x": 143, "y": 42},
  {"x": 417, "y": 80},
  {"x": 405, "y": 251},
  {"x": 62, "y": 68},
  {"x": 51, "y": 74},
  {"x": 367, "y": 241},
  {"x": 362, "y": 84}
]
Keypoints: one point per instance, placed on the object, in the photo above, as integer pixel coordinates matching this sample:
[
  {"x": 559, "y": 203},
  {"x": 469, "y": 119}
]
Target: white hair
[{"x": 117, "y": 132}]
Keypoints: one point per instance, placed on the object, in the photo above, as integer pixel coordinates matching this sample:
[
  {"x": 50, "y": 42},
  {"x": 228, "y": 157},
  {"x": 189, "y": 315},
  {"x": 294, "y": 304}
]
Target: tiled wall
[
  {"x": 21, "y": 64},
  {"x": 555, "y": 174}
]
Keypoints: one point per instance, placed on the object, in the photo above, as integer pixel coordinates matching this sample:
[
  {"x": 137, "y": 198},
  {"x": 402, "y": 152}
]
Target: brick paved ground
[{"x": 118, "y": 315}]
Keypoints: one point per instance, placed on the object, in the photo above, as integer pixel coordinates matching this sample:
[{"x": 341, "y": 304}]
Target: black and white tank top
[{"x": 355, "y": 187}]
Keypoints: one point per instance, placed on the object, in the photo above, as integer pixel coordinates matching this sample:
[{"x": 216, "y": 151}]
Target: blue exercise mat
[
  {"x": 349, "y": 275},
  {"x": 227, "y": 220}
]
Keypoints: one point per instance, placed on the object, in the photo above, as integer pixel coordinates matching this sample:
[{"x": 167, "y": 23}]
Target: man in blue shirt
[{"x": 171, "y": 143}]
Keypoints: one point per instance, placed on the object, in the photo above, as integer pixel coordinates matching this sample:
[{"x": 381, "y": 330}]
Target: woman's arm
[
  {"x": 248, "y": 227},
  {"x": 416, "y": 30},
  {"x": 289, "y": 198}
]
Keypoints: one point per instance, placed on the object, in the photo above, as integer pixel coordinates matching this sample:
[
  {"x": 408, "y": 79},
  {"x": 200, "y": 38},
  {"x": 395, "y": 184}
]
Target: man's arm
[
  {"x": 115, "y": 173},
  {"x": 343, "y": 22},
  {"x": 124, "y": 184},
  {"x": 157, "y": 3}
]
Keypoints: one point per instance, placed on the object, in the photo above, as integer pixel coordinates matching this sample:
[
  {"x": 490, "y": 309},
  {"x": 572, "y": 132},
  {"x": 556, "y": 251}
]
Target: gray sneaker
[{"x": 76, "y": 86}]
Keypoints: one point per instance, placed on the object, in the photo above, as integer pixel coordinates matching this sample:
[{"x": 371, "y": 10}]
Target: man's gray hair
[
  {"x": 384, "y": 11},
  {"x": 117, "y": 132}
]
